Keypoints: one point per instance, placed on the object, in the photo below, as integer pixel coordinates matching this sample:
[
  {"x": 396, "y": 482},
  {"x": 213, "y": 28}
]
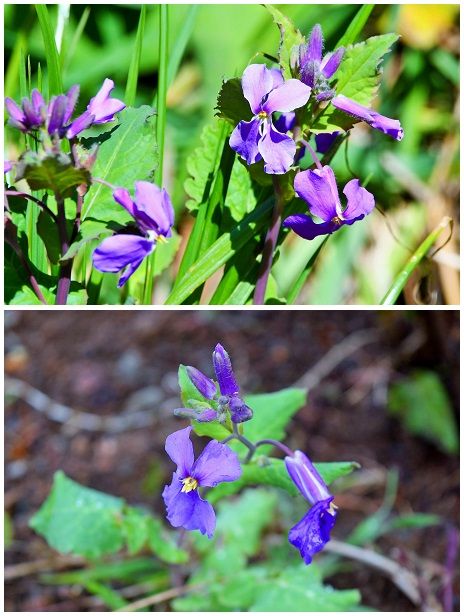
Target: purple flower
[
  {"x": 30, "y": 116},
  {"x": 216, "y": 464},
  {"x": 100, "y": 109},
  {"x": 60, "y": 110},
  {"x": 324, "y": 141},
  {"x": 319, "y": 189},
  {"x": 376, "y": 120},
  {"x": 267, "y": 92},
  {"x": 154, "y": 214},
  {"x": 312, "y": 532},
  {"x": 7, "y": 166}
]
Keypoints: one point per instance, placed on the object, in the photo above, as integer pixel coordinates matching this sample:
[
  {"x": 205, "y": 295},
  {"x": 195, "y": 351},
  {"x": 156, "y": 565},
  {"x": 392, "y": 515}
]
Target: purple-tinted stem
[
  {"x": 104, "y": 182},
  {"x": 451, "y": 554},
  {"x": 64, "y": 278},
  {"x": 41, "y": 204},
  {"x": 269, "y": 245},
  {"x": 313, "y": 154},
  {"x": 278, "y": 444}
]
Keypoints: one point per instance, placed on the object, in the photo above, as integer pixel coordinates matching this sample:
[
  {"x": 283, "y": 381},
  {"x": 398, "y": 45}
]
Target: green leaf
[
  {"x": 273, "y": 472},
  {"x": 413, "y": 520},
  {"x": 127, "y": 155},
  {"x": 358, "y": 78},
  {"x": 48, "y": 231},
  {"x": 231, "y": 104},
  {"x": 79, "y": 520},
  {"x": 421, "y": 402},
  {"x": 299, "y": 589},
  {"x": 240, "y": 199},
  {"x": 52, "y": 172},
  {"x": 109, "y": 596},
  {"x": 290, "y": 37}
]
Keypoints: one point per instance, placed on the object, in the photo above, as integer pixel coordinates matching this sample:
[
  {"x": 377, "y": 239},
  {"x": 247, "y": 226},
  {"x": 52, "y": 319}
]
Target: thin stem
[
  {"x": 104, "y": 182},
  {"x": 44, "y": 206},
  {"x": 160, "y": 131},
  {"x": 64, "y": 277},
  {"x": 269, "y": 245},
  {"x": 278, "y": 444}
]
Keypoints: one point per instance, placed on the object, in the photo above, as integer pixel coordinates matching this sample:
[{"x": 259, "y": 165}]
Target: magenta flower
[
  {"x": 319, "y": 189},
  {"x": 226, "y": 400},
  {"x": 216, "y": 464},
  {"x": 312, "y": 532},
  {"x": 258, "y": 139},
  {"x": 154, "y": 215},
  {"x": 30, "y": 116}
]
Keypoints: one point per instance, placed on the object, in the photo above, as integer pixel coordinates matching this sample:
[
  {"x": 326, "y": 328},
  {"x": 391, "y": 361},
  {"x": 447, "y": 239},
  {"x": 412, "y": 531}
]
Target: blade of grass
[
  {"x": 160, "y": 131},
  {"x": 76, "y": 37},
  {"x": 357, "y": 24},
  {"x": 109, "y": 596},
  {"x": 15, "y": 64},
  {"x": 398, "y": 284},
  {"x": 182, "y": 40},
  {"x": 220, "y": 252},
  {"x": 295, "y": 291},
  {"x": 133, "y": 74},
  {"x": 55, "y": 84}
]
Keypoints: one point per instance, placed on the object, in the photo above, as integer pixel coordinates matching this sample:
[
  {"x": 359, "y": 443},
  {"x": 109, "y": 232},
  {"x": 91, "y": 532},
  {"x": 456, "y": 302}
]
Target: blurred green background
[{"x": 415, "y": 182}]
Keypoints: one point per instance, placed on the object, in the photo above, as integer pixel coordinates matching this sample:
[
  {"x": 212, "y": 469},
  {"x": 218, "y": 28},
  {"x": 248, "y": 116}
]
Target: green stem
[
  {"x": 400, "y": 281},
  {"x": 160, "y": 131}
]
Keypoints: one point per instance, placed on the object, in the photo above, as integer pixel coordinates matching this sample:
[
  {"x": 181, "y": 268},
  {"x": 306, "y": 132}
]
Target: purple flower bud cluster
[
  {"x": 55, "y": 117},
  {"x": 226, "y": 401},
  {"x": 185, "y": 505}
]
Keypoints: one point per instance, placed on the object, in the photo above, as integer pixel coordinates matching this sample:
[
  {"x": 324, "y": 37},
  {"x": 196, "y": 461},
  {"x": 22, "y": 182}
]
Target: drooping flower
[
  {"x": 258, "y": 139},
  {"x": 216, "y": 464},
  {"x": 312, "y": 532},
  {"x": 30, "y": 116},
  {"x": 227, "y": 399},
  {"x": 101, "y": 109},
  {"x": 154, "y": 215},
  {"x": 316, "y": 71},
  {"x": 318, "y": 188},
  {"x": 376, "y": 120}
]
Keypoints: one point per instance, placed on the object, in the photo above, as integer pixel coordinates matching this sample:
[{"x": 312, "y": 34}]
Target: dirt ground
[{"x": 115, "y": 364}]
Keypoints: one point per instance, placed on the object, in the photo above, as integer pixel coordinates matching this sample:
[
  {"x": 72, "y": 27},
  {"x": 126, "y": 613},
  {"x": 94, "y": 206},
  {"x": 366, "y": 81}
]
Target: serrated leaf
[
  {"x": 128, "y": 154},
  {"x": 290, "y": 37},
  {"x": 231, "y": 105},
  {"x": 358, "y": 78},
  {"x": 51, "y": 172},
  {"x": 422, "y": 403},
  {"x": 78, "y": 520}
]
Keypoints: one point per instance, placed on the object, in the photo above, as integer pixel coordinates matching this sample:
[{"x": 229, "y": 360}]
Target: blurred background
[
  {"x": 383, "y": 390},
  {"x": 416, "y": 182}
]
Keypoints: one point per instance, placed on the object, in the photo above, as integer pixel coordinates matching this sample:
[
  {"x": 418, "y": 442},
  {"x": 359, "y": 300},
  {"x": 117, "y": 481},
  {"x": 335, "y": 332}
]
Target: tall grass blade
[
  {"x": 398, "y": 284},
  {"x": 133, "y": 74},
  {"x": 176, "y": 53},
  {"x": 76, "y": 37},
  {"x": 55, "y": 84},
  {"x": 357, "y": 24},
  {"x": 295, "y": 291}
]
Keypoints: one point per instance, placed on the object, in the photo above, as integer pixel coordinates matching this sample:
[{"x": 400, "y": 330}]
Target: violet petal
[
  {"x": 244, "y": 140},
  {"x": 319, "y": 189},
  {"x": 305, "y": 227},
  {"x": 180, "y": 449},
  {"x": 224, "y": 373},
  {"x": 217, "y": 463},
  {"x": 307, "y": 479},
  {"x": 291, "y": 95},
  {"x": 360, "y": 202},
  {"x": 312, "y": 532},
  {"x": 205, "y": 386},
  {"x": 257, "y": 82},
  {"x": 277, "y": 149},
  {"x": 388, "y": 126}
]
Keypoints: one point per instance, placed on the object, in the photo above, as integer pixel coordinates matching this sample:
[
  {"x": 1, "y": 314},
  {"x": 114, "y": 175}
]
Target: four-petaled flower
[
  {"x": 216, "y": 464},
  {"x": 312, "y": 532},
  {"x": 319, "y": 189},
  {"x": 227, "y": 399},
  {"x": 154, "y": 214},
  {"x": 267, "y": 92}
]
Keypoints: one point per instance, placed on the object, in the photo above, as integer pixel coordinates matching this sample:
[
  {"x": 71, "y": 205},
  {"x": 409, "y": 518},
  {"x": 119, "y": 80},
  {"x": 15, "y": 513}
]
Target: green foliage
[
  {"x": 240, "y": 198},
  {"x": 55, "y": 85},
  {"x": 358, "y": 78},
  {"x": 82, "y": 521},
  {"x": 128, "y": 153},
  {"x": 231, "y": 104},
  {"x": 51, "y": 172},
  {"x": 133, "y": 74},
  {"x": 421, "y": 402},
  {"x": 356, "y": 25},
  {"x": 290, "y": 38}
]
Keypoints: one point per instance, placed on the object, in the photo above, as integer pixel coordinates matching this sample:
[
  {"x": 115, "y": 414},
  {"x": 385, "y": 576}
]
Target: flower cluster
[
  {"x": 55, "y": 117},
  {"x": 279, "y": 141},
  {"x": 186, "y": 507}
]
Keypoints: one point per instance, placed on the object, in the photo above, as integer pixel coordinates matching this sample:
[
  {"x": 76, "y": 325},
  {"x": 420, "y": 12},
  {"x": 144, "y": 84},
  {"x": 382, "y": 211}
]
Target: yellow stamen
[
  {"x": 332, "y": 508},
  {"x": 336, "y": 220},
  {"x": 262, "y": 115},
  {"x": 189, "y": 484}
]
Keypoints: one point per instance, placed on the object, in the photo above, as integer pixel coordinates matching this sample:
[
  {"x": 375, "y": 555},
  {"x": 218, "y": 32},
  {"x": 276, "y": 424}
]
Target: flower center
[
  {"x": 332, "y": 508},
  {"x": 262, "y": 115},
  {"x": 189, "y": 484},
  {"x": 336, "y": 220}
]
